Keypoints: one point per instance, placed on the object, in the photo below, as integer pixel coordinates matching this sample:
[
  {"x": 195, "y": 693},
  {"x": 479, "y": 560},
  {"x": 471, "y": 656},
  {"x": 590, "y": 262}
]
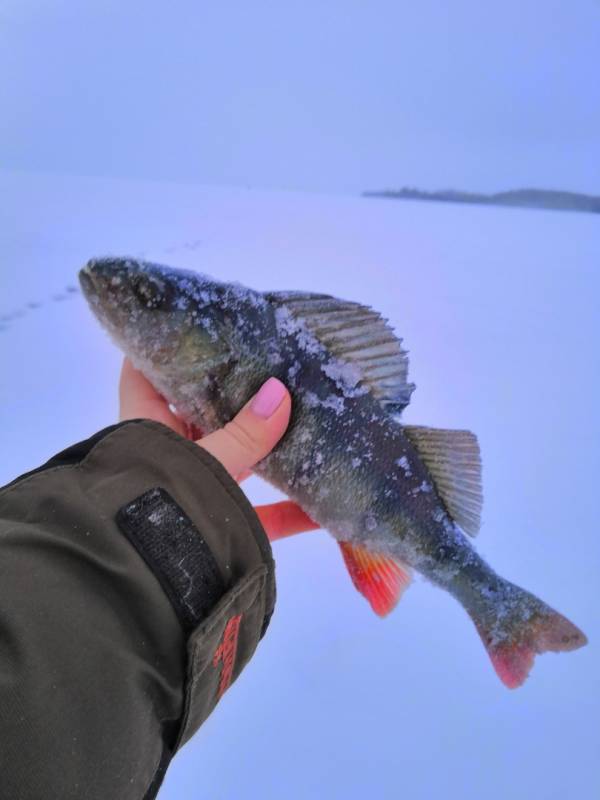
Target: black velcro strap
[{"x": 174, "y": 549}]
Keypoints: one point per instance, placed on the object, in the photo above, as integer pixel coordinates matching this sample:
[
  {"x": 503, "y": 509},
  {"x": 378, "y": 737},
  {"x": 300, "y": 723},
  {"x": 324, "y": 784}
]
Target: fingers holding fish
[
  {"x": 254, "y": 431},
  {"x": 284, "y": 519},
  {"x": 139, "y": 399},
  {"x": 244, "y": 475},
  {"x": 239, "y": 445}
]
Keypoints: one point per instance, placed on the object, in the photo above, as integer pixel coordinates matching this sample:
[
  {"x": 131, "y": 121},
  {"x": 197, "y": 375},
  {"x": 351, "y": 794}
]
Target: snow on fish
[{"x": 397, "y": 497}]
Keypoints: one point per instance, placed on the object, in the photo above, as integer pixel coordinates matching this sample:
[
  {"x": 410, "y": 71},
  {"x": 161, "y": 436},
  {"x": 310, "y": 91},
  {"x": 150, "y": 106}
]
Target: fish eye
[{"x": 149, "y": 292}]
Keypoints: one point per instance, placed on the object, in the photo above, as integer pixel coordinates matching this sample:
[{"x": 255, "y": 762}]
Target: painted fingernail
[{"x": 268, "y": 398}]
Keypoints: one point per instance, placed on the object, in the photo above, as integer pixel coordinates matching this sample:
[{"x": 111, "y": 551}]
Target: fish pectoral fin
[
  {"x": 381, "y": 579},
  {"x": 453, "y": 459}
]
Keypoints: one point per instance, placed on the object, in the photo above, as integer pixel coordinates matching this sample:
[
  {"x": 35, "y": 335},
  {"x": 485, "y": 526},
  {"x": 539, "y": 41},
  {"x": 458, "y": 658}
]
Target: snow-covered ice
[{"x": 498, "y": 308}]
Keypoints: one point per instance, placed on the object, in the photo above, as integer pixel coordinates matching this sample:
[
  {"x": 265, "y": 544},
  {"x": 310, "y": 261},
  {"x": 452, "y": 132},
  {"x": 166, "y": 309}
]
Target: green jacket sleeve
[{"x": 135, "y": 583}]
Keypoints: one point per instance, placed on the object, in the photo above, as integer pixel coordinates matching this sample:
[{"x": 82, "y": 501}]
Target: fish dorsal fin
[
  {"x": 454, "y": 461},
  {"x": 381, "y": 579},
  {"x": 357, "y": 335}
]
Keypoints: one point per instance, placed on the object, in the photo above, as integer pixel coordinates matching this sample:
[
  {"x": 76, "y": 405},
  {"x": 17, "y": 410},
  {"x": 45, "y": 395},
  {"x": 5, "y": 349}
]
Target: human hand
[{"x": 244, "y": 441}]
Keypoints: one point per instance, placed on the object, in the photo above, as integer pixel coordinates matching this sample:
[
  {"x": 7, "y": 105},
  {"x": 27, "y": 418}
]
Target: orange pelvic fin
[{"x": 381, "y": 579}]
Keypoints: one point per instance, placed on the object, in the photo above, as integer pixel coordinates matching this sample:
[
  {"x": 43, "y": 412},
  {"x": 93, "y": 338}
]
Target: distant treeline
[{"x": 526, "y": 198}]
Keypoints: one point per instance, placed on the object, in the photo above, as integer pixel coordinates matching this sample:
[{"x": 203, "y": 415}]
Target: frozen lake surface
[{"x": 499, "y": 309}]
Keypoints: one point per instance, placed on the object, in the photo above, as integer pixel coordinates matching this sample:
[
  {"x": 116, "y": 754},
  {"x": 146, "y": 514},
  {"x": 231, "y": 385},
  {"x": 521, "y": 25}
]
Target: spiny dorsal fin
[
  {"x": 355, "y": 334},
  {"x": 454, "y": 461},
  {"x": 381, "y": 579}
]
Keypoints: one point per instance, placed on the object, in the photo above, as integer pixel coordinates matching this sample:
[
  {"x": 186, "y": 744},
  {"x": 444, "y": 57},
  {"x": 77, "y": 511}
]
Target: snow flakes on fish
[
  {"x": 332, "y": 401},
  {"x": 370, "y": 522},
  {"x": 288, "y": 325},
  {"x": 403, "y": 463},
  {"x": 274, "y": 357},
  {"x": 242, "y": 293},
  {"x": 423, "y": 487},
  {"x": 347, "y": 377}
]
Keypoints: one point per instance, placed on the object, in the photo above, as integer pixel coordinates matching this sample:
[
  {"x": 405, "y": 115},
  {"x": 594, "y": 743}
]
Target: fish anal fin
[
  {"x": 381, "y": 579},
  {"x": 453, "y": 459}
]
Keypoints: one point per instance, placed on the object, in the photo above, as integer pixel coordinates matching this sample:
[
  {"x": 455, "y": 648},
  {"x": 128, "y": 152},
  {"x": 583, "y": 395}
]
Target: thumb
[{"x": 254, "y": 431}]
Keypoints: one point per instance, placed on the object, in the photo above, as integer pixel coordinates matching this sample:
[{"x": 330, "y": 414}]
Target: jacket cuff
[
  {"x": 193, "y": 528},
  {"x": 196, "y": 530}
]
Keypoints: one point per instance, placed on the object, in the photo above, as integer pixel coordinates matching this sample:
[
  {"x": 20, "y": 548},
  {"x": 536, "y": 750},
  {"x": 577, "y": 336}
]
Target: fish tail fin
[{"x": 515, "y": 626}]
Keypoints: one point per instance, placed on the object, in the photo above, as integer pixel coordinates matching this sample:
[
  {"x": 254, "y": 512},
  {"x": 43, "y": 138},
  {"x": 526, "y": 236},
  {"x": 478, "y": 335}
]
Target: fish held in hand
[{"x": 397, "y": 497}]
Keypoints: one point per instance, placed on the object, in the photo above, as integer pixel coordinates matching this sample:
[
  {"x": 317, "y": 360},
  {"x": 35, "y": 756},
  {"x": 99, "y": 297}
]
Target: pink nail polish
[{"x": 268, "y": 398}]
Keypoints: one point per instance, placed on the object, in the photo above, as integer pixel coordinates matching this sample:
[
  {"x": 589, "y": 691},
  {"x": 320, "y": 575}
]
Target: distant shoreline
[{"x": 520, "y": 198}]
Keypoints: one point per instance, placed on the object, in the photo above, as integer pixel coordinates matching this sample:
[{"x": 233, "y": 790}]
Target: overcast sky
[{"x": 334, "y": 97}]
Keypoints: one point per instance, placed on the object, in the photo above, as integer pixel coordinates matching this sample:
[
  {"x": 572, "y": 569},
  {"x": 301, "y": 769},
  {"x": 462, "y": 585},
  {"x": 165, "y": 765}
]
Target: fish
[{"x": 397, "y": 498}]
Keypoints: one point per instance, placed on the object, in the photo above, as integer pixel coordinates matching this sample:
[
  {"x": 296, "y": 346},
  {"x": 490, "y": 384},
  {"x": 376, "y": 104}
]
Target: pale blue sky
[{"x": 336, "y": 96}]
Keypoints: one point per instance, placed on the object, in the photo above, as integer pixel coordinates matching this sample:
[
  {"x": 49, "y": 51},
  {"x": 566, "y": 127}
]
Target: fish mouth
[
  {"x": 102, "y": 274},
  {"x": 86, "y": 281}
]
